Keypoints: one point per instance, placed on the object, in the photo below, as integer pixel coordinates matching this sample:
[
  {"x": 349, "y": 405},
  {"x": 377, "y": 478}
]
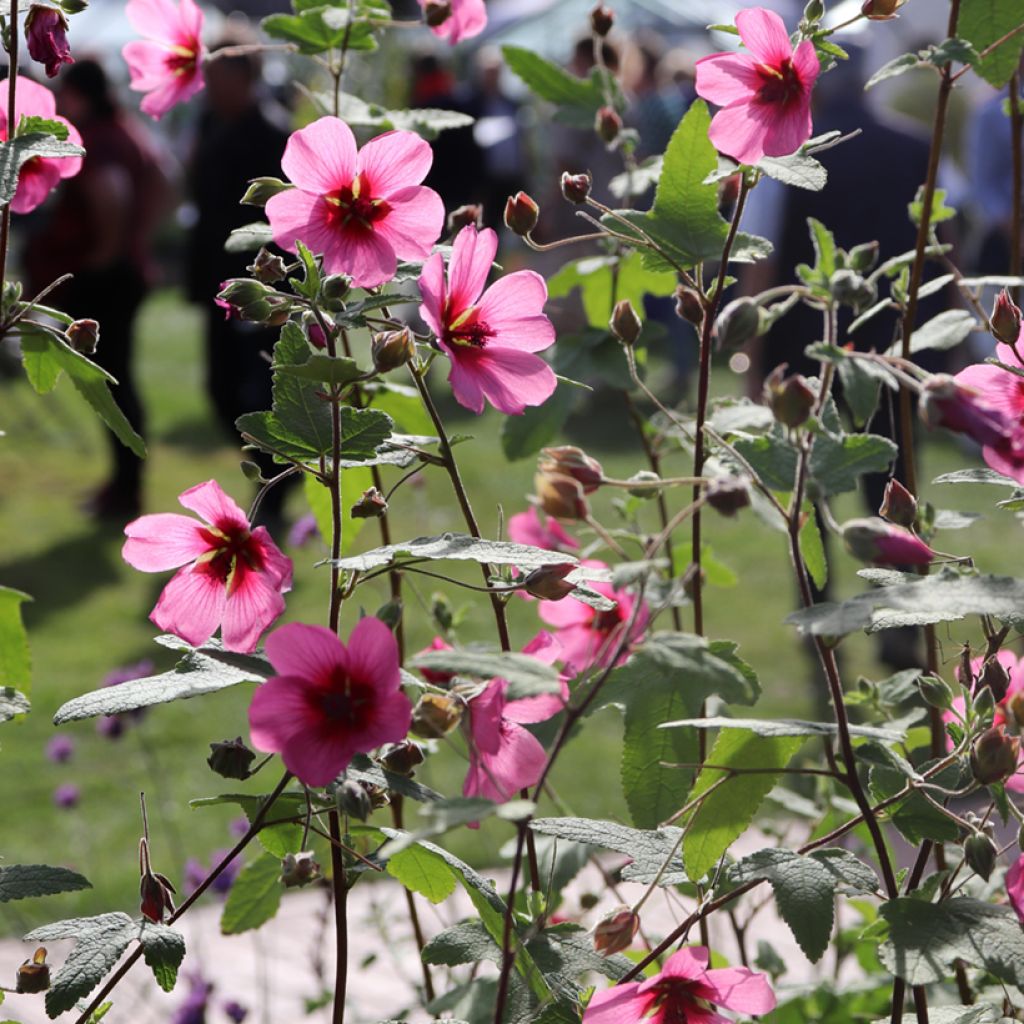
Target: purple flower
[
  {"x": 66, "y": 795},
  {"x": 125, "y": 673},
  {"x": 113, "y": 726},
  {"x": 304, "y": 530},
  {"x": 238, "y": 827},
  {"x": 235, "y": 1011},
  {"x": 196, "y": 872},
  {"x": 60, "y": 748},
  {"x": 193, "y": 1009}
]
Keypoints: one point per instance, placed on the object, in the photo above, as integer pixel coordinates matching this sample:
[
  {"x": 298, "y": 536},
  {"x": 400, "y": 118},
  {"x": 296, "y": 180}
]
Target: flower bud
[
  {"x": 935, "y": 692},
  {"x": 880, "y": 10},
  {"x": 625, "y": 324},
  {"x": 993, "y": 674},
  {"x": 616, "y": 931},
  {"x": 549, "y": 582},
  {"x": 353, "y": 800},
  {"x": 644, "y": 479},
  {"x": 607, "y": 124},
  {"x": 862, "y": 258},
  {"x": 727, "y": 495},
  {"x": 947, "y": 403},
  {"x": 1015, "y": 707},
  {"x": 472, "y": 214},
  {"x": 572, "y": 461},
  {"x": 561, "y": 496},
  {"x": 601, "y": 20},
  {"x": 899, "y": 506},
  {"x": 371, "y": 505},
  {"x": 334, "y": 290},
  {"x": 46, "y": 33},
  {"x": 435, "y": 715},
  {"x": 252, "y": 472},
  {"x": 688, "y": 305},
  {"x": 390, "y": 614},
  {"x": 231, "y": 759},
  {"x": 851, "y": 289},
  {"x": 261, "y": 190},
  {"x": 437, "y": 12},
  {"x": 737, "y": 324},
  {"x": 576, "y": 187},
  {"x": 34, "y": 974},
  {"x": 267, "y": 267},
  {"x": 875, "y": 540},
  {"x": 1005, "y": 319},
  {"x": 814, "y": 11},
  {"x": 790, "y": 398},
  {"x": 403, "y": 758},
  {"x": 298, "y": 869},
  {"x": 315, "y": 334},
  {"x": 84, "y": 336},
  {"x": 994, "y": 756},
  {"x": 155, "y": 895},
  {"x": 521, "y": 214},
  {"x": 980, "y": 854},
  {"x": 392, "y": 349},
  {"x": 984, "y": 705},
  {"x": 74, "y": 6}
]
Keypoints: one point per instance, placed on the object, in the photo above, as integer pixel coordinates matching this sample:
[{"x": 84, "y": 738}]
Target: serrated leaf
[
  {"x": 443, "y": 815},
  {"x": 944, "y": 331},
  {"x": 465, "y": 943},
  {"x": 799, "y": 170},
  {"x": 892, "y": 68},
  {"x": 728, "y": 811},
  {"x": 26, "y": 881},
  {"x": 419, "y": 871},
  {"x": 277, "y": 840},
  {"x": 322, "y": 368},
  {"x": 362, "y": 769},
  {"x": 916, "y": 818},
  {"x": 254, "y": 896},
  {"x": 526, "y": 676},
  {"x": 838, "y": 462},
  {"x": 985, "y": 21},
  {"x": 773, "y": 457},
  {"x": 550, "y": 82},
  {"x": 163, "y": 949},
  {"x": 15, "y": 153}
]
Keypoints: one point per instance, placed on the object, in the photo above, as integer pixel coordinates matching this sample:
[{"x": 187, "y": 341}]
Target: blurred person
[
  {"x": 100, "y": 230},
  {"x": 240, "y": 136},
  {"x": 655, "y": 106}
]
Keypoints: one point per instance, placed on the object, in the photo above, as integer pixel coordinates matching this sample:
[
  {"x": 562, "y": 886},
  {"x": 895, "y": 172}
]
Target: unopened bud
[
  {"x": 392, "y": 349},
  {"x": 571, "y": 461},
  {"x": 1015, "y": 707},
  {"x": 880, "y": 10},
  {"x": 1006, "y": 319},
  {"x": 980, "y": 854},
  {"x": 34, "y": 974},
  {"x": 874, "y": 540},
  {"x": 983, "y": 705},
  {"x": 729, "y": 191},
  {"x": 252, "y": 472},
  {"x": 262, "y": 189},
  {"x": 315, "y": 334},
  {"x": 790, "y": 398},
  {"x": 898, "y": 504},
  {"x": 561, "y": 496},
  {"x": 738, "y": 324},
  {"x": 549, "y": 582},
  {"x": 46, "y": 34},
  {"x": 155, "y": 895},
  {"x": 74, "y": 6},
  {"x": 435, "y": 715},
  {"x": 616, "y": 931},
  {"x": 862, "y": 258},
  {"x": 601, "y": 20},
  {"x": 994, "y": 756},
  {"x": 231, "y": 759},
  {"x": 471, "y": 214},
  {"x": 334, "y": 290},
  {"x": 298, "y": 869},
  {"x": 814, "y": 11},
  {"x": 993, "y": 674},
  {"x": 576, "y": 187},
  {"x": 372, "y": 505},
  {"x": 935, "y": 692},
  {"x": 625, "y": 324},
  {"x": 437, "y": 12},
  {"x": 688, "y": 305},
  {"x": 608, "y": 125},
  {"x": 521, "y": 214},
  {"x": 390, "y": 613},
  {"x": 851, "y": 289},
  {"x": 727, "y": 495},
  {"x": 403, "y": 758},
  {"x": 84, "y": 336},
  {"x": 352, "y": 799},
  {"x": 268, "y": 267},
  {"x": 645, "y": 480}
]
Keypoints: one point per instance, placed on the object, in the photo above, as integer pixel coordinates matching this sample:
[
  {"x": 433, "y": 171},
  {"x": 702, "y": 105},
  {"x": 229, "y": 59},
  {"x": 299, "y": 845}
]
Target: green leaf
[
  {"x": 977, "y": 1014},
  {"x": 728, "y": 811},
  {"x": 812, "y": 550},
  {"x": 839, "y": 461},
  {"x": 916, "y": 818},
  {"x": 427, "y": 121},
  {"x": 952, "y": 50},
  {"x": 464, "y": 943},
  {"x": 526, "y": 676},
  {"x": 15, "y": 153},
  {"x": 323, "y": 369},
  {"x": 550, "y": 82},
  {"x": 940, "y": 212},
  {"x": 163, "y": 949},
  {"x": 773, "y": 457},
  {"x": 26, "y": 881},
  {"x": 15, "y": 660},
  {"x": 99, "y": 943},
  {"x": 985, "y": 21},
  {"x": 277, "y": 840},
  {"x": 523, "y": 436},
  {"x": 362, "y": 769},
  {"x": 249, "y": 237},
  {"x": 422, "y": 872},
  {"x": 30, "y": 124},
  {"x": 443, "y": 815},
  {"x": 925, "y": 939},
  {"x": 785, "y": 727},
  {"x": 49, "y": 355},
  {"x": 799, "y": 170},
  {"x": 323, "y": 27},
  {"x": 201, "y": 670},
  {"x": 254, "y": 897},
  {"x": 944, "y": 331},
  {"x": 892, "y": 68}
]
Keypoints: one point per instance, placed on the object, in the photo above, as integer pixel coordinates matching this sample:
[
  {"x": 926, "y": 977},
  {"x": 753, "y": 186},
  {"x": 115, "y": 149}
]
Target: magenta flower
[
  {"x": 528, "y": 528},
  {"x": 503, "y": 756},
  {"x": 589, "y": 637},
  {"x": 468, "y": 18},
  {"x": 231, "y": 575},
  {"x": 765, "y": 94},
  {"x": 362, "y": 210},
  {"x": 684, "y": 991},
  {"x": 489, "y": 336},
  {"x": 329, "y": 702},
  {"x": 46, "y": 34},
  {"x": 1015, "y": 887},
  {"x": 166, "y": 65},
  {"x": 872, "y": 539},
  {"x": 39, "y": 175}
]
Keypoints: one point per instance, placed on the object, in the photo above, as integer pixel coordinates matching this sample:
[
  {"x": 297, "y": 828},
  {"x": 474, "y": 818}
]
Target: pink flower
[
  {"x": 329, "y": 702},
  {"x": 363, "y": 210},
  {"x": 589, "y": 637},
  {"x": 684, "y": 991},
  {"x": 40, "y": 174},
  {"x": 46, "y": 34},
  {"x": 166, "y": 65},
  {"x": 765, "y": 95},
  {"x": 468, "y": 18},
  {"x": 233, "y": 576},
  {"x": 503, "y": 756},
  {"x": 1015, "y": 887},
  {"x": 872, "y": 539},
  {"x": 489, "y": 336},
  {"x": 527, "y": 528},
  {"x": 1004, "y": 393}
]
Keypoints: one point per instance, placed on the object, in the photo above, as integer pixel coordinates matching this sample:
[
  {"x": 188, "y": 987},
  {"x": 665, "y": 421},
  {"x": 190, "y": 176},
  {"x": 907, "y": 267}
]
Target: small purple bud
[
  {"x": 60, "y": 748},
  {"x": 235, "y": 1011},
  {"x": 67, "y": 795},
  {"x": 303, "y": 531}
]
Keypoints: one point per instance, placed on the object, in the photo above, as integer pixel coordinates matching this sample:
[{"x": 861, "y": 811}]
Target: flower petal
[
  {"x": 321, "y": 157},
  {"x": 36, "y": 180},
  {"x": 764, "y": 35},
  {"x": 163, "y": 541},
  {"x": 209, "y": 501},
  {"x": 431, "y": 286},
  {"x": 309, "y": 652},
  {"x": 621, "y": 1004},
  {"x": 789, "y": 129},
  {"x": 281, "y": 707},
  {"x": 157, "y": 19},
  {"x": 517, "y": 763},
  {"x": 806, "y": 64},
  {"x": 367, "y": 258},
  {"x": 473, "y": 253},
  {"x": 393, "y": 161},
  {"x": 191, "y": 606},
  {"x": 317, "y": 757},
  {"x": 741, "y": 990},
  {"x": 373, "y": 655},
  {"x": 513, "y": 308},
  {"x": 464, "y": 381},
  {"x": 512, "y": 379},
  {"x": 297, "y": 216},
  {"x": 739, "y": 131},
  {"x": 725, "y": 78},
  {"x": 252, "y": 605},
  {"x": 414, "y": 222}
]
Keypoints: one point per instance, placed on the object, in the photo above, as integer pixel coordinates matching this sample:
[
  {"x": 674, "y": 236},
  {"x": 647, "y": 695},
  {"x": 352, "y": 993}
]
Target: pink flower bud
[
  {"x": 471, "y": 215},
  {"x": 607, "y": 124},
  {"x": 616, "y": 931},
  {"x": 576, "y": 187},
  {"x": 601, "y": 20},
  {"x": 875, "y": 540},
  {"x": 549, "y": 582},
  {"x": 436, "y": 12},
  {"x": 625, "y": 324},
  {"x": 947, "y": 403},
  {"x": 880, "y": 10},
  {"x": 1015, "y": 887},
  {"x": 392, "y": 349},
  {"x": 688, "y": 305},
  {"x": 402, "y": 758},
  {"x": 790, "y": 398},
  {"x": 371, "y": 505},
  {"x": 994, "y": 756},
  {"x": 561, "y": 496},
  {"x": 571, "y": 461},
  {"x": 155, "y": 896},
  {"x": 994, "y": 675},
  {"x": 46, "y": 32},
  {"x": 521, "y": 214},
  {"x": 84, "y": 336},
  {"x": 898, "y": 504},
  {"x": 1006, "y": 319}
]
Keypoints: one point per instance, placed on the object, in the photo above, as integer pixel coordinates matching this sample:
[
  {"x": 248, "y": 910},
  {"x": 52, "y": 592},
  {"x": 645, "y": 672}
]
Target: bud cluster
[{"x": 246, "y": 299}]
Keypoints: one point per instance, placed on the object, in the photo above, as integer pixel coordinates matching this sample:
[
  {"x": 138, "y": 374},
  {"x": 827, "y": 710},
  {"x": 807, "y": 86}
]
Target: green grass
[{"x": 89, "y": 615}]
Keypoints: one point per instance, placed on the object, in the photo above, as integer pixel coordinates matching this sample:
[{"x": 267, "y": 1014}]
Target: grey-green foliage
[
  {"x": 526, "y": 676},
  {"x": 16, "y": 152},
  {"x": 25, "y": 881}
]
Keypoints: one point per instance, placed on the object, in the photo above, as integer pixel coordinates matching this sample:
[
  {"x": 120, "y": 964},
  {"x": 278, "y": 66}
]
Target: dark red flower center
[
  {"x": 353, "y": 207},
  {"x": 677, "y": 1003},
  {"x": 779, "y": 85},
  {"x": 180, "y": 60},
  {"x": 231, "y": 549},
  {"x": 467, "y": 329},
  {"x": 348, "y": 702},
  {"x": 605, "y": 622}
]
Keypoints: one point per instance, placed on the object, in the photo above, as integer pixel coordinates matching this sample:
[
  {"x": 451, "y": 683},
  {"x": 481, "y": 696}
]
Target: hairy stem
[
  {"x": 340, "y": 887},
  {"x": 1017, "y": 160}
]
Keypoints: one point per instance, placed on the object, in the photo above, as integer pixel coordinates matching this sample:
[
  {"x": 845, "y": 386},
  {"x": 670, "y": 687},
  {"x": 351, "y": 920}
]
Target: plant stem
[
  {"x": 339, "y": 885},
  {"x": 410, "y": 902},
  {"x": 12, "y": 79},
  {"x": 1017, "y": 157}
]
